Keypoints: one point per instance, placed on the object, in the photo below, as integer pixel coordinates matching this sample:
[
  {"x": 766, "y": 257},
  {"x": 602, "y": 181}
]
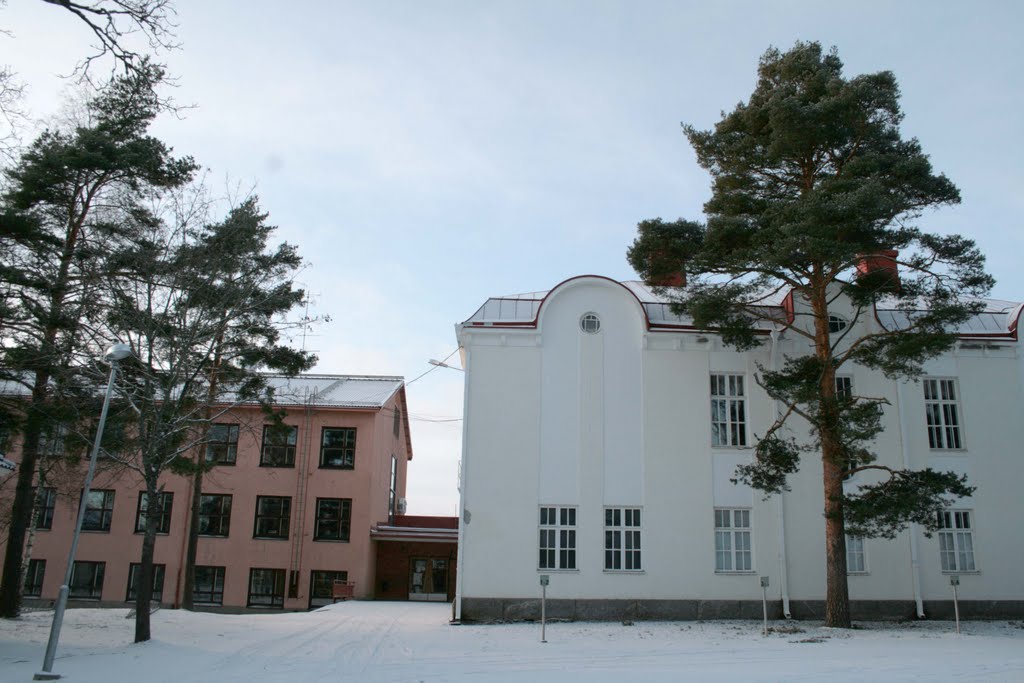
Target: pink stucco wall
[{"x": 367, "y": 485}]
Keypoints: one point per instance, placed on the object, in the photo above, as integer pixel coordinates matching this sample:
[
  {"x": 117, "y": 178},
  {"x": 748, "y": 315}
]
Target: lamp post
[{"x": 114, "y": 354}]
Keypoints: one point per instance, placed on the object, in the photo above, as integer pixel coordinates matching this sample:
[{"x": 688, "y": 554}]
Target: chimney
[
  {"x": 672, "y": 280},
  {"x": 879, "y": 270},
  {"x": 656, "y": 267}
]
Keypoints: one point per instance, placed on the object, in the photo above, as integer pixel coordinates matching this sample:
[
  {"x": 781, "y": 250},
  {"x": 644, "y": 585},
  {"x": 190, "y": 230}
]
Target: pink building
[{"x": 284, "y": 515}]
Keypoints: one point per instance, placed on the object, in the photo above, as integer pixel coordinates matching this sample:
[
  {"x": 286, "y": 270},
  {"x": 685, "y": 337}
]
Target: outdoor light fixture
[
  {"x": 442, "y": 364},
  {"x": 114, "y": 354}
]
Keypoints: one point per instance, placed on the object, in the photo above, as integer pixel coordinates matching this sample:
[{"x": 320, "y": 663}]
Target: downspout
[
  {"x": 783, "y": 569},
  {"x": 915, "y": 564},
  {"x": 464, "y": 515}
]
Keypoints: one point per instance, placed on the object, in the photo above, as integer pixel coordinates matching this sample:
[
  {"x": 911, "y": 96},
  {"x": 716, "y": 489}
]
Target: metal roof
[{"x": 999, "y": 318}]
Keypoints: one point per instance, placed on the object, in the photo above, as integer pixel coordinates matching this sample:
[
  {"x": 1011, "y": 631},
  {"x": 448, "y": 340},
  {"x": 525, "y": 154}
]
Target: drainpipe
[
  {"x": 783, "y": 573},
  {"x": 460, "y": 569},
  {"x": 915, "y": 564}
]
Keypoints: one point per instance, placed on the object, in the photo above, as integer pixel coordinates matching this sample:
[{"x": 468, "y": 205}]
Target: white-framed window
[
  {"x": 622, "y": 539},
  {"x": 732, "y": 540},
  {"x": 956, "y": 541},
  {"x": 557, "y": 538},
  {"x": 590, "y": 323},
  {"x": 844, "y": 387},
  {"x": 728, "y": 410},
  {"x": 836, "y": 324},
  {"x": 856, "y": 560},
  {"x": 942, "y": 409}
]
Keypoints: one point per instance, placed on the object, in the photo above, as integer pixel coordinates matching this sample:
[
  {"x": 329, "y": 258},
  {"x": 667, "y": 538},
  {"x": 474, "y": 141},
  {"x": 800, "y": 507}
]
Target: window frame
[
  {"x": 730, "y": 429},
  {"x": 944, "y": 419},
  {"x": 159, "y": 576},
  {"x": 45, "y": 507},
  {"x": 344, "y": 520},
  {"x": 229, "y": 446},
  {"x": 281, "y": 518},
  {"x": 734, "y": 530},
  {"x": 328, "y": 575},
  {"x": 557, "y": 538},
  {"x": 348, "y": 459},
  {"x": 224, "y": 516},
  {"x": 623, "y": 542},
  {"x": 36, "y": 571},
  {"x": 95, "y": 592},
  {"x": 953, "y": 535},
  {"x": 276, "y": 599},
  {"x": 163, "y": 526},
  {"x": 218, "y": 574},
  {"x": 856, "y": 548},
  {"x": 285, "y": 451},
  {"x": 105, "y": 511}
]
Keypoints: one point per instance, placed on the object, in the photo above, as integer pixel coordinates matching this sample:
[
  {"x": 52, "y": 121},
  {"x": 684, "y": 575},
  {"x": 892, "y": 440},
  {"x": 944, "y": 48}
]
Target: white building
[{"x": 590, "y": 456}]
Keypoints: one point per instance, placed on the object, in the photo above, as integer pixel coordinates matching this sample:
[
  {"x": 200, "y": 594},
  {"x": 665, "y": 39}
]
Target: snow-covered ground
[{"x": 394, "y": 641}]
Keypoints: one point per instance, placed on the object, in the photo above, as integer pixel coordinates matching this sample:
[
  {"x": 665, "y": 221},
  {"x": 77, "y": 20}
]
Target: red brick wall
[{"x": 393, "y": 564}]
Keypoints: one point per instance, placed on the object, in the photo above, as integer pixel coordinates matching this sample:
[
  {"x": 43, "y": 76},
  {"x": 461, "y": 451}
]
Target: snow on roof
[{"x": 999, "y": 317}]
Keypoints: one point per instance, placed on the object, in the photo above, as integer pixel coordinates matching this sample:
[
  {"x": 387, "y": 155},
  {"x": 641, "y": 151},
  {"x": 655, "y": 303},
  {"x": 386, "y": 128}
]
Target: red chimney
[
  {"x": 881, "y": 267},
  {"x": 673, "y": 280}
]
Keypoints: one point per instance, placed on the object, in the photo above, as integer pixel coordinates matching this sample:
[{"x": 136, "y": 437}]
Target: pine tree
[{"x": 813, "y": 186}]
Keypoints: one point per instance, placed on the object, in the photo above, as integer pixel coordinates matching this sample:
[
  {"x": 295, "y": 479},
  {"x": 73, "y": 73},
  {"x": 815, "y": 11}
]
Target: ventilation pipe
[
  {"x": 915, "y": 564},
  {"x": 783, "y": 573}
]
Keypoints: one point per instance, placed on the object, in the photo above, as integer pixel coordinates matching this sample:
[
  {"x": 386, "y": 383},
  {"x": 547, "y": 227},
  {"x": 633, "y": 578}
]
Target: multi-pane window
[
  {"x": 87, "y": 580},
  {"x": 956, "y": 541},
  {"x": 165, "y": 500},
  {"x": 266, "y": 588},
  {"x": 622, "y": 539},
  {"x": 215, "y": 514},
  {"x": 135, "y": 575},
  {"x": 393, "y": 489},
  {"x": 338, "y": 448},
  {"x": 321, "y": 586},
  {"x": 844, "y": 387},
  {"x": 45, "y": 502},
  {"x": 222, "y": 444},
  {"x": 34, "y": 578},
  {"x": 208, "y": 585},
  {"x": 273, "y": 514},
  {"x": 278, "y": 446},
  {"x": 728, "y": 410},
  {"x": 558, "y": 538},
  {"x": 99, "y": 510},
  {"x": 732, "y": 540},
  {"x": 333, "y": 519},
  {"x": 52, "y": 440},
  {"x": 856, "y": 560},
  {"x": 942, "y": 409}
]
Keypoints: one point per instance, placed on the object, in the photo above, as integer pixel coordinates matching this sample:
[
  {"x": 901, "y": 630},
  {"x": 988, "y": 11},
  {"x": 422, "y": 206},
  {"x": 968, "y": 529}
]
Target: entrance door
[{"x": 428, "y": 579}]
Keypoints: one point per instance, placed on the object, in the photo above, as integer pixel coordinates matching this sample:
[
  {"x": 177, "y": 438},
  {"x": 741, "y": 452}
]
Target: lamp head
[{"x": 117, "y": 352}]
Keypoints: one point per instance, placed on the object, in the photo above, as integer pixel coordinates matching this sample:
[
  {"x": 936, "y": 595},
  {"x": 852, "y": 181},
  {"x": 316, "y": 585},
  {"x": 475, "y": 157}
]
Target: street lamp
[
  {"x": 114, "y": 354},
  {"x": 442, "y": 364}
]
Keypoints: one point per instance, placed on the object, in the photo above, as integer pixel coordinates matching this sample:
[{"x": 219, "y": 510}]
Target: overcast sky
[{"x": 427, "y": 155}]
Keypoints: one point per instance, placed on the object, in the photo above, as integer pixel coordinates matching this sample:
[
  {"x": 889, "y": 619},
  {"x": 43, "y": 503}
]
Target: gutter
[
  {"x": 464, "y": 515},
  {"x": 915, "y": 564},
  {"x": 783, "y": 568}
]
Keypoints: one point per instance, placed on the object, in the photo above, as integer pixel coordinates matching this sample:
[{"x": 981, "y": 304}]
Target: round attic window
[{"x": 590, "y": 323}]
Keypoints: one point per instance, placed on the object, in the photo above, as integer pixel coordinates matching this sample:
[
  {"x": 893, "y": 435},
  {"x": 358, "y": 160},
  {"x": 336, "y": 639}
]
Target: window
[
  {"x": 34, "y": 578},
  {"x": 396, "y": 425},
  {"x": 728, "y": 411},
  {"x": 222, "y": 444},
  {"x": 273, "y": 514},
  {"x": 99, "y": 510},
  {"x": 942, "y": 409},
  {"x": 844, "y": 387},
  {"x": 51, "y": 441},
  {"x": 321, "y": 586},
  {"x": 135, "y": 573},
  {"x": 214, "y": 514},
  {"x": 278, "y": 446},
  {"x": 333, "y": 519},
  {"x": 590, "y": 323},
  {"x": 558, "y": 538},
  {"x": 732, "y": 541},
  {"x": 856, "y": 560},
  {"x": 163, "y": 523},
  {"x": 836, "y": 324},
  {"x": 956, "y": 542},
  {"x": 45, "y": 502},
  {"x": 393, "y": 490},
  {"x": 87, "y": 580},
  {"x": 208, "y": 586},
  {"x": 622, "y": 539},
  {"x": 338, "y": 448},
  {"x": 266, "y": 588}
]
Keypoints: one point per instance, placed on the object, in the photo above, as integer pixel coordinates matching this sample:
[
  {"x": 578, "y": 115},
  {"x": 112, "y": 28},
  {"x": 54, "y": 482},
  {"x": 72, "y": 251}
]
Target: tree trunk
[
  {"x": 21, "y": 511},
  {"x": 193, "y": 542},
  {"x": 144, "y": 587}
]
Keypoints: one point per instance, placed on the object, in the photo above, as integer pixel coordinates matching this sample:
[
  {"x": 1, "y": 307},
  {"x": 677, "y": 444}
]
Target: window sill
[
  {"x": 270, "y": 538},
  {"x": 213, "y": 535},
  {"x": 953, "y": 572},
  {"x": 159, "y": 533},
  {"x": 947, "y": 451},
  {"x": 337, "y": 467},
  {"x": 728, "y": 572},
  {"x": 331, "y": 540},
  {"x": 95, "y": 531},
  {"x": 863, "y": 573},
  {"x": 277, "y": 467},
  {"x": 220, "y": 464},
  {"x": 624, "y": 571},
  {"x": 572, "y": 571}
]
